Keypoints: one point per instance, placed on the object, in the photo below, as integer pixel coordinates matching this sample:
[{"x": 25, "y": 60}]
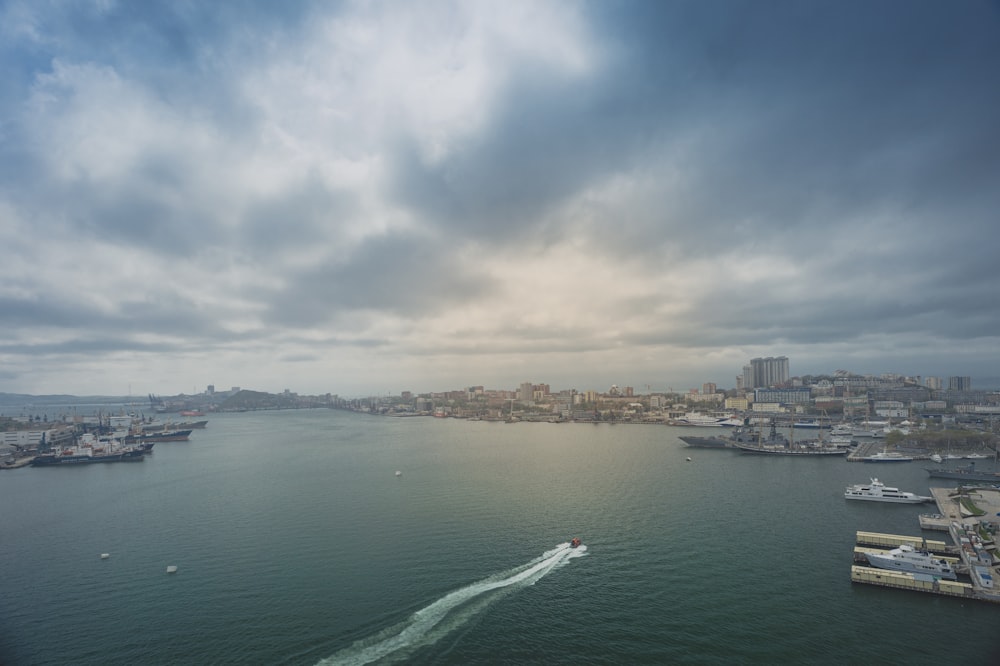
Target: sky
[{"x": 366, "y": 198}]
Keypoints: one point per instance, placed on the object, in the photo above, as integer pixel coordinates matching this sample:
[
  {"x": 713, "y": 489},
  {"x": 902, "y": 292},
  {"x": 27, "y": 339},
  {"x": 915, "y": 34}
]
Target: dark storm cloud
[
  {"x": 401, "y": 275},
  {"x": 70, "y": 310},
  {"x": 547, "y": 140},
  {"x": 777, "y": 117},
  {"x": 305, "y": 214}
]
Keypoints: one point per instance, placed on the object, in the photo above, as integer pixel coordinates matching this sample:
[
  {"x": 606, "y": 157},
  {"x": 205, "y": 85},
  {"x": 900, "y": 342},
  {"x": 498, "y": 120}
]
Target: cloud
[{"x": 446, "y": 193}]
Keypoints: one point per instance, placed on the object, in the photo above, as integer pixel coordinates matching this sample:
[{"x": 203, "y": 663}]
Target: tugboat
[{"x": 574, "y": 542}]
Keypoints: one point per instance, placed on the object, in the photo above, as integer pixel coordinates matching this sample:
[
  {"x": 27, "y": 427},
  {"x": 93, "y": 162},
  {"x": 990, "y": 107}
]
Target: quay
[
  {"x": 973, "y": 553},
  {"x": 934, "y": 521},
  {"x": 17, "y": 462},
  {"x": 871, "y": 447},
  {"x": 915, "y": 582},
  {"x": 895, "y": 541}
]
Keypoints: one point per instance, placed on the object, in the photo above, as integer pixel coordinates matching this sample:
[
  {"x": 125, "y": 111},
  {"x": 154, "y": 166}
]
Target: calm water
[{"x": 296, "y": 544}]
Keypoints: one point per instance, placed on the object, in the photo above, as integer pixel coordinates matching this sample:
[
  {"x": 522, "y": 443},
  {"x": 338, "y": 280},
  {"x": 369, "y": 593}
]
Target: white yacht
[
  {"x": 883, "y": 457},
  {"x": 876, "y": 491},
  {"x": 908, "y": 559},
  {"x": 699, "y": 419}
]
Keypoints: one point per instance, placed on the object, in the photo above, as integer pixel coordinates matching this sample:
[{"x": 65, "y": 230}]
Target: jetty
[{"x": 972, "y": 552}]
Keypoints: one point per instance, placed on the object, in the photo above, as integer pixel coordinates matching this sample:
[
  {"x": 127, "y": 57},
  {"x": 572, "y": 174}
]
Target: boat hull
[
  {"x": 890, "y": 563},
  {"x": 52, "y": 460},
  {"x": 789, "y": 451},
  {"x": 705, "y": 442},
  {"x": 984, "y": 476},
  {"x": 916, "y": 499},
  {"x": 167, "y": 436}
]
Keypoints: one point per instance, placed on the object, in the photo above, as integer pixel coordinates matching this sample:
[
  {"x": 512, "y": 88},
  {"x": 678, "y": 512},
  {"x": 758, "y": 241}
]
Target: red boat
[{"x": 574, "y": 542}]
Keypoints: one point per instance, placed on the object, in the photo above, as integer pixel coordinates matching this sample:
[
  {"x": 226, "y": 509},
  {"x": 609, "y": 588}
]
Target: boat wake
[{"x": 428, "y": 625}]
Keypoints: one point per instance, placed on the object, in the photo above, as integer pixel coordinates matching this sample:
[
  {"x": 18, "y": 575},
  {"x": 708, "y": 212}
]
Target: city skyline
[{"x": 364, "y": 198}]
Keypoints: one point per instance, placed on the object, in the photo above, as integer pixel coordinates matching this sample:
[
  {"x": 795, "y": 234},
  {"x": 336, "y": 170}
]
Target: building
[
  {"x": 890, "y": 409},
  {"x": 742, "y": 404},
  {"x": 785, "y": 396},
  {"x": 708, "y": 387},
  {"x": 960, "y": 383},
  {"x": 527, "y": 392},
  {"x": 934, "y": 383},
  {"x": 765, "y": 372}
]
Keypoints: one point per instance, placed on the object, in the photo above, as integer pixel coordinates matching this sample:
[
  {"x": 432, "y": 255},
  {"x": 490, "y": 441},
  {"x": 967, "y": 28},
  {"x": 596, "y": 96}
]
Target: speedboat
[{"x": 574, "y": 542}]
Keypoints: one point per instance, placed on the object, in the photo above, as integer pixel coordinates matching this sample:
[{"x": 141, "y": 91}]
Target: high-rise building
[
  {"x": 960, "y": 383},
  {"x": 765, "y": 372},
  {"x": 527, "y": 393},
  {"x": 708, "y": 388},
  {"x": 934, "y": 383}
]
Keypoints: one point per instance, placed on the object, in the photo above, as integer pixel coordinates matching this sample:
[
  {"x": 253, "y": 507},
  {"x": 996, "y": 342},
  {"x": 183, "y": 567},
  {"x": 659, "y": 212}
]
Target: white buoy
[
  {"x": 398, "y": 473},
  {"x": 105, "y": 556},
  {"x": 689, "y": 459},
  {"x": 171, "y": 569}
]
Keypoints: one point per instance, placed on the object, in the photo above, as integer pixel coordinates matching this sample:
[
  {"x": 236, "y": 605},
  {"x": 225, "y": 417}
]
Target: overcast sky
[{"x": 371, "y": 197}]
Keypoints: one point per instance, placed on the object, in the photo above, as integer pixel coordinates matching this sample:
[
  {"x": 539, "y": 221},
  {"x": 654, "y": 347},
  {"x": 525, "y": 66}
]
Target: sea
[{"x": 322, "y": 537}]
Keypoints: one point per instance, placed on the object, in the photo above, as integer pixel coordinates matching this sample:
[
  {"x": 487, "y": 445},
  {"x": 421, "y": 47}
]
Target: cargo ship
[{"x": 90, "y": 450}]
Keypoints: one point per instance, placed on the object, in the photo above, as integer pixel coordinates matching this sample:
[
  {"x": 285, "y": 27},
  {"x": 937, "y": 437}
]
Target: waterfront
[{"x": 297, "y": 543}]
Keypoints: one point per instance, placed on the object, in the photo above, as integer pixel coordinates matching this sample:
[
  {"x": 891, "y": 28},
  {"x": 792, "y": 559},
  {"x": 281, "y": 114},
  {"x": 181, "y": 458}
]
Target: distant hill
[{"x": 250, "y": 400}]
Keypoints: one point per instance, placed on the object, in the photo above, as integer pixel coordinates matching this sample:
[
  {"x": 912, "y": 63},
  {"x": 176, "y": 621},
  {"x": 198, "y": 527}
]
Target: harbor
[{"x": 971, "y": 516}]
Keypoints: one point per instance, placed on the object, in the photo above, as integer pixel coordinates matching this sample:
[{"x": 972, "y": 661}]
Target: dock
[
  {"x": 870, "y": 447},
  {"x": 18, "y": 462},
  {"x": 914, "y": 582},
  {"x": 972, "y": 553},
  {"x": 896, "y": 540},
  {"x": 934, "y": 521}
]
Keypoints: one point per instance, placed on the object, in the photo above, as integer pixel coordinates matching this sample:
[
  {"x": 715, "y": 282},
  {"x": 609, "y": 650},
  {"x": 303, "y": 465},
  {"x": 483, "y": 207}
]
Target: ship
[
  {"x": 967, "y": 473},
  {"x": 699, "y": 419},
  {"x": 883, "y": 457},
  {"x": 908, "y": 559},
  {"x": 705, "y": 442},
  {"x": 740, "y": 435},
  {"x": 876, "y": 491},
  {"x": 160, "y": 427},
  {"x": 164, "y": 436},
  {"x": 90, "y": 450},
  {"x": 777, "y": 444}
]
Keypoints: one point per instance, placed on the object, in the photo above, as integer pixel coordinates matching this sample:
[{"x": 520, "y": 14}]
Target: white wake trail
[{"x": 430, "y": 624}]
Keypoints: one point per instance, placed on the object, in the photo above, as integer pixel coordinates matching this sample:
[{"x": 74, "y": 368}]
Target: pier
[
  {"x": 972, "y": 553},
  {"x": 914, "y": 582},
  {"x": 895, "y": 541}
]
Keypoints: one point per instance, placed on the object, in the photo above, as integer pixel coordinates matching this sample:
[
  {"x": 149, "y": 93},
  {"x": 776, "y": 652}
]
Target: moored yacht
[
  {"x": 876, "y": 491},
  {"x": 699, "y": 419},
  {"x": 883, "y": 457},
  {"x": 908, "y": 559}
]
